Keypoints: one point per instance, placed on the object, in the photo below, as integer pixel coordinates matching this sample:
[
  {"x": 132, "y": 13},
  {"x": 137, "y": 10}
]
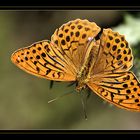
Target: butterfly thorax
[{"x": 84, "y": 74}]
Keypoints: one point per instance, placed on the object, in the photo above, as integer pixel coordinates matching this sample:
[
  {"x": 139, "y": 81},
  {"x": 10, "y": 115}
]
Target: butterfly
[{"x": 81, "y": 52}]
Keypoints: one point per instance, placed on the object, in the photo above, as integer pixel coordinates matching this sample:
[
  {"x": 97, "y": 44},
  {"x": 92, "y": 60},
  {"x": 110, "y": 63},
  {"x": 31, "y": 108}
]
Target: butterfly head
[{"x": 81, "y": 84}]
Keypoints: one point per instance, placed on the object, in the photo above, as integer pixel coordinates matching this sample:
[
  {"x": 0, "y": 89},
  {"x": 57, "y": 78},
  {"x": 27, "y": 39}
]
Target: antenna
[
  {"x": 60, "y": 96},
  {"x": 84, "y": 102},
  {"x": 84, "y": 107},
  {"x": 51, "y": 84}
]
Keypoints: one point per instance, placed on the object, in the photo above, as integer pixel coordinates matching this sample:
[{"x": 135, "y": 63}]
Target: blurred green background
[{"x": 24, "y": 97}]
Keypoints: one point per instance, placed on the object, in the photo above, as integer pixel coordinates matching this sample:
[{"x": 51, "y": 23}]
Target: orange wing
[
  {"x": 114, "y": 54},
  {"x": 44, "y": 60},
  {"x": 73, "y": 38},
  {"x": 110, "y": 78},
  {"x": 120, "y": 89},
  {"x": 61, "y": 58}
]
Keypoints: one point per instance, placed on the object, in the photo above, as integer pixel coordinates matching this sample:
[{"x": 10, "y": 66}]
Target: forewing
[
  {"x": 115, "y": 55},
  {"x": 43, "y": 59},
  {"x": 72, "y": 39},
  {"x": 62, "y": 57}
]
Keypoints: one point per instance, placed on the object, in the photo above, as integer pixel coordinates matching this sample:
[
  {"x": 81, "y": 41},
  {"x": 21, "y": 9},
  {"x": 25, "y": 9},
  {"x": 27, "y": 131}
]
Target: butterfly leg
[{"x": 51, "y": 84}]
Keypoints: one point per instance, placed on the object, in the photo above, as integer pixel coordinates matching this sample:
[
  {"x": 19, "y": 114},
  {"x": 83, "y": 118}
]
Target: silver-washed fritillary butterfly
[{"x": 80, "y": 51}]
